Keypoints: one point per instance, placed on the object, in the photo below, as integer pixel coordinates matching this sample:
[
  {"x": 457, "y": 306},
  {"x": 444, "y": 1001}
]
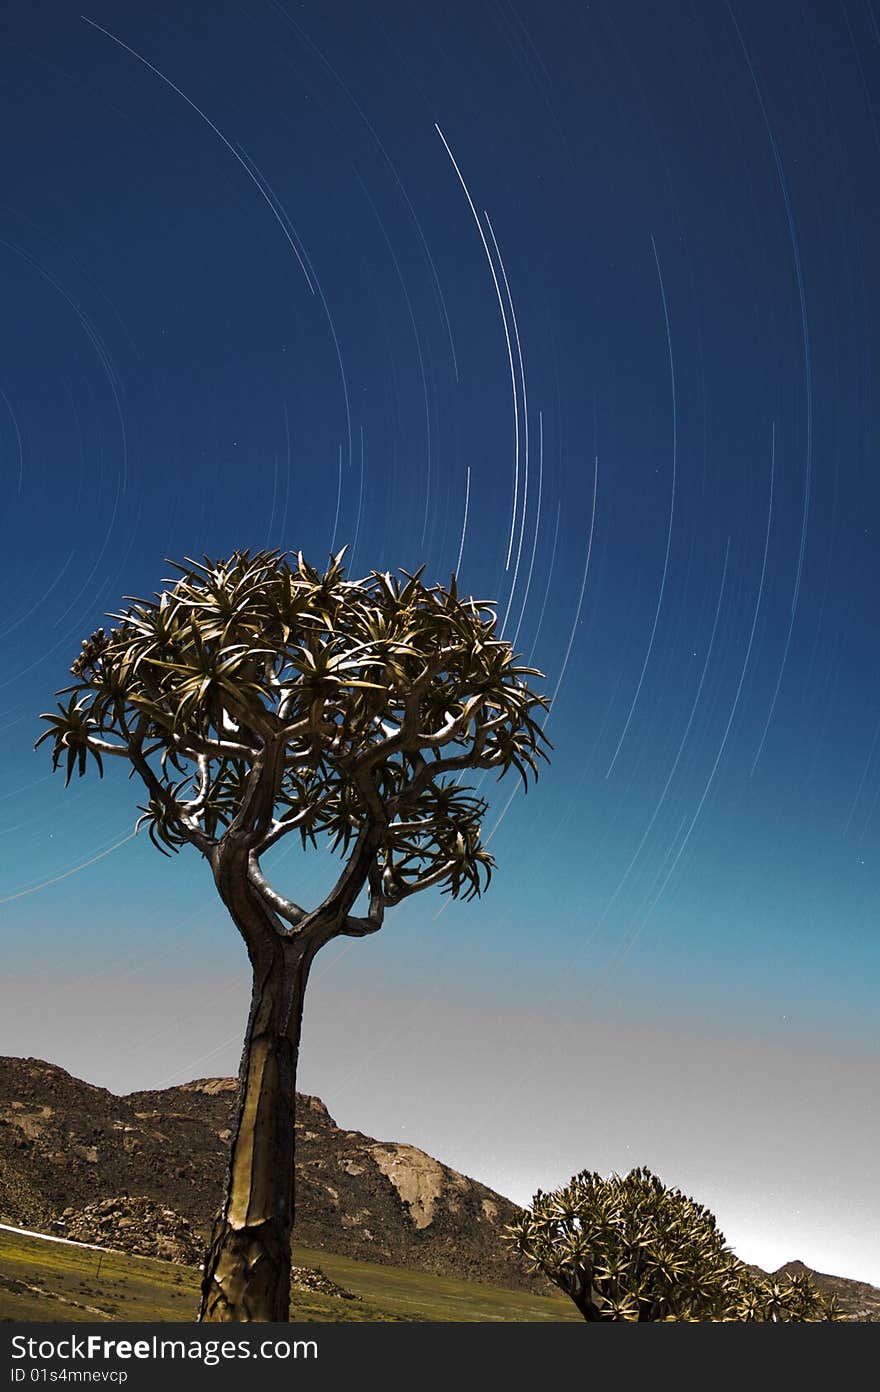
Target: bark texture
[{"x": 247, "y": 1268}]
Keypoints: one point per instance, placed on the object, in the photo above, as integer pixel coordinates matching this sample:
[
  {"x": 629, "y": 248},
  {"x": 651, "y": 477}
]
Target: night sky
[{"x": 581, "y": 301}]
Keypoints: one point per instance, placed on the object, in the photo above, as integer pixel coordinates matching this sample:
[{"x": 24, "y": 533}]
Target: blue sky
[{"x": 581, "y": 301}]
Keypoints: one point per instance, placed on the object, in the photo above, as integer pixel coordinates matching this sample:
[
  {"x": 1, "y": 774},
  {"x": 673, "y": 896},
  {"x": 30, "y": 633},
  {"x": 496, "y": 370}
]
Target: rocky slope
[
  {"x": 137, "y": 1225},
  {"x": 65, "y": 1144},
  {"x": 859, "y": 1300}
]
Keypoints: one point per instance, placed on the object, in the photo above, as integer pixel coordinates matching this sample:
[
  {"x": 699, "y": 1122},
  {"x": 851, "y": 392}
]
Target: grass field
[{"x": 52, "y": 1282}]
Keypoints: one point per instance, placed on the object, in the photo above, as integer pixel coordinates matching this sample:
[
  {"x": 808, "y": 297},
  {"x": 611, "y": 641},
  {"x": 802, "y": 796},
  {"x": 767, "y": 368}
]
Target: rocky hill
[
  {"x": 65, "y": 1144},
  {"x": 859, "y": 1300}
]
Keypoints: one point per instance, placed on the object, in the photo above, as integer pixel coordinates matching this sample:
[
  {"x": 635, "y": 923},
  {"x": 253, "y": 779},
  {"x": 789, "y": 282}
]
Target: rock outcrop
[
  {"x": 65, "y": 1144},
  {"x": 137, "y": 1225}
]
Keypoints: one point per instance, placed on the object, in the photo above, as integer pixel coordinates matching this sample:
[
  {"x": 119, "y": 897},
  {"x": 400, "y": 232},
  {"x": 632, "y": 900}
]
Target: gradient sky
[{"x": 577, "y": 299}]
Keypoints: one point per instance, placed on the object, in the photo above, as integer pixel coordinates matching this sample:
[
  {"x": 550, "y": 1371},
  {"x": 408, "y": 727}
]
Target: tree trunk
[
  {"x": 578, "y": 1285},
  {"x": 247, "y": 1268}
]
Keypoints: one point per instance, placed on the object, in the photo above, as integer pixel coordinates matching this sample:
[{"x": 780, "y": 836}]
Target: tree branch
[
  {"x": 427, "y": 772},
  {"x": 192, "y": 744},
  {"x": 339, "y": 902},
  {"x": 218, "y": 749},
  {"x": 280, "y": 829},
  {"x": 104, "y": 747},
  {"x": 407, "y": 737},
  {"x": 362, "y": 927},
  {"x": 255, "y": 815},
  {"x": 394, "y": 897},
  {"x": 197, "y": 804},
  {"x": 194, "y": 833},
  {"x": 285, "y": 908}
]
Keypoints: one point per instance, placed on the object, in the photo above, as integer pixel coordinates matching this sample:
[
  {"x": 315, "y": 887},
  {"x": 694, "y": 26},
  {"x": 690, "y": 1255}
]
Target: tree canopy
[
  {"x": 256, "y": 697},
  {"x": 628, "y": 1248}
]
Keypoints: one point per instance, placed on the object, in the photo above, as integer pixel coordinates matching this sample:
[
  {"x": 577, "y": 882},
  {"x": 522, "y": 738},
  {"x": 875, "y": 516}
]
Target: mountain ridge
[{"x": 66, "y": 1144}]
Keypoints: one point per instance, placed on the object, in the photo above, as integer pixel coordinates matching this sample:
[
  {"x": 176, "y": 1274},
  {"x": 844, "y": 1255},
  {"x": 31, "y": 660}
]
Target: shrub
[{"x": 628, "y": 1248}]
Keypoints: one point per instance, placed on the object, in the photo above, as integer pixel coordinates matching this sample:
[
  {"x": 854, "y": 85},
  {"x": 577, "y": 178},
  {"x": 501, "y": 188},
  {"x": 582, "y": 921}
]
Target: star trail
[{"x": 579, "y": 302}]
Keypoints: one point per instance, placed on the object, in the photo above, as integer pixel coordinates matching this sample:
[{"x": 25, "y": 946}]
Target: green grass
[
  {"x": 53, "y": 1282},
  {"x": 49, "y": 1281}
]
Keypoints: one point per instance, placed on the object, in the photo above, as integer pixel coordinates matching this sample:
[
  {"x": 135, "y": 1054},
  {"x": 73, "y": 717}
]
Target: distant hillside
[
  {"x": 65, "y": 1143},
  {"x": 856, "y": 1298}
]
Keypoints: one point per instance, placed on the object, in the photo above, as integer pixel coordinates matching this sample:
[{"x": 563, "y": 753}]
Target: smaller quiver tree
[
  {"x": 257, "y": 699},
  {"x": 629, "y": 1249}
]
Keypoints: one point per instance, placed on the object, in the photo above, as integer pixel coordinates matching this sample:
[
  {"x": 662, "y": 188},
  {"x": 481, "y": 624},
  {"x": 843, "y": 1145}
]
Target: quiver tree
[
  {"x": 258, "y": 699},
  {"x": 629, "y": 1249}
]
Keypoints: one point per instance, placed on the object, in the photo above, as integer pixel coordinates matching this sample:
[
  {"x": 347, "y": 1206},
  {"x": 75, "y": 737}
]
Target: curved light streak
[
  {"x": 721, "y": 747},
  {"x": 467, "y": 496},
  {"x": 808, "y": 378},
  {"x": 525, "y": 411},
  {"x": 56, "y": 879},
  {"x": 208, "y": 122},
  {"x": 522, "y": 611},
  {"x": 419, "y": 353},
  {"x": 507, "y": 340},
  {"x": 671, "y": 514}
]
